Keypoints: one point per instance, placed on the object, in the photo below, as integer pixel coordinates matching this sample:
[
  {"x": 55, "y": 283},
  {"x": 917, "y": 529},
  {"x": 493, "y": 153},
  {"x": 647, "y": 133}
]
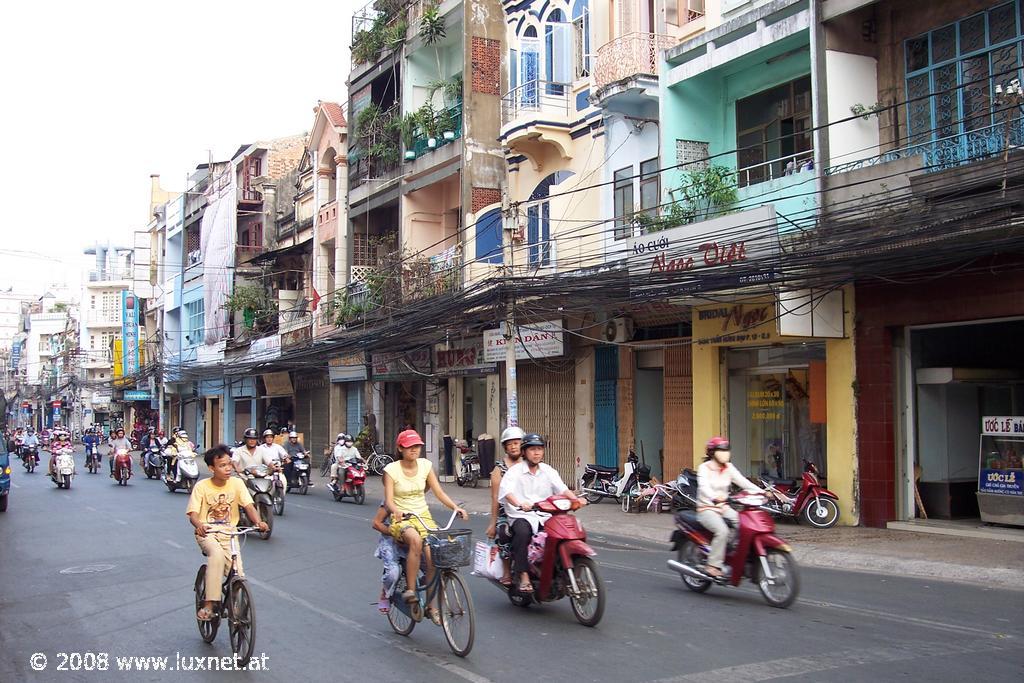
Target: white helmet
[
  {"x": 511, "y": 433},
  {"x": 293, "y": 435}
]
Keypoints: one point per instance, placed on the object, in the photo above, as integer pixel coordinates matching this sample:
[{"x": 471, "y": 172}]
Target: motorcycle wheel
[
  {"x": 690, "y": 555},
  {"x": 67, "y": 481},
  {"x": 170, "y": 485},
  {"x": 584, "y": 485},
  {"x": 241, "y": 621},
  {"x": 822, "y": 515},
  {"x": 207, "y": 629},
  {"x": 588, "y": 608},
  {"x": 278, "y": 505},
  {"x": 401, "y": 623},
  {"x": 474, "y": 479},
  {"x": 458, "y": 618},
  {"x": 360, "y": 495},
  {"x": 459, "y": 480},
  {"x": 304, "y": 487},
  {"x": 267, "y": 517},
  {"x": 519, "y": 599},
  {"x": 190, "y": 484},
  {"x": 783, "y": 589}
]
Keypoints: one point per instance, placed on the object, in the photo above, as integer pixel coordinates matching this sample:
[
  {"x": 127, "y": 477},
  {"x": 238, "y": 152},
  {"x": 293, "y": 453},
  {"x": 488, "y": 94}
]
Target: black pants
[
  {"x": 289, "y": 473},
  {"x": 522, "y": 534}
]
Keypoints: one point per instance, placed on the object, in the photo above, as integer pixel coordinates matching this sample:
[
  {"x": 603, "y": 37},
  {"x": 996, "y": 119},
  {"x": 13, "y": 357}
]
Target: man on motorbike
[
  {"x": 293, "y": 448},
  {"x": 178, "y": 443},
  {"x": 714, "y": 477},
  {"x": 30, "y": 440},
  {"x": 344, "y": 452},
  {"x": 118, "y": 443},
  {"x": 249, "y": 455},
  {"x": 278, "y": 453},
  {"x": 499, "y": 529},
  {"x": 525, "y": 484}
]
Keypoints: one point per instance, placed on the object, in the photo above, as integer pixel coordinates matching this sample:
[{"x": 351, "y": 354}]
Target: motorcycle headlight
[
  {"x": 7, "y": 470},
  {"x": 563, "y": 504}
]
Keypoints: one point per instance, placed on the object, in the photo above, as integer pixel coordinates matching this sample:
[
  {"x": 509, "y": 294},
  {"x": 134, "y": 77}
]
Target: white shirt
[
  {"x": 343, "y": 453},
  {"x": 275, "y": 450},
  {"x": 529, "y": 487},
  {"x": 243, "y": 460},
  {"x": 713, "y": 482}
]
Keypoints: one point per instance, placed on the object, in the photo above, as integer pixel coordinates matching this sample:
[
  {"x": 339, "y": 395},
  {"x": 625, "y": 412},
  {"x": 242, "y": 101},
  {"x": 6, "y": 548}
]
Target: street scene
[{"x": 664, "y": 340}]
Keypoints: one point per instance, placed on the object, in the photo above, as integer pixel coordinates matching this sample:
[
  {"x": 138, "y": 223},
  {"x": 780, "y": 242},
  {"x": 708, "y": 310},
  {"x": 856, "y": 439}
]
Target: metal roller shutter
[
  {"x": 606, "y": 433},
  {"x": 312, "y": 412},
  {"x": 678, "y": 411},
  {"x": 353, "y": 407},
  {"x": 547, "y": 405}
]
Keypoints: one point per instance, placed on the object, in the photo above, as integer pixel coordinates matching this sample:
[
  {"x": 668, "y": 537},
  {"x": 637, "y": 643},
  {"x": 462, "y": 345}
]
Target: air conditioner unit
[{"x": 618, "y": 330}]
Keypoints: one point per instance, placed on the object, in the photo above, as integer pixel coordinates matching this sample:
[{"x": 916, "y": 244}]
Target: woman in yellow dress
[{"x": 405, "y": 484}]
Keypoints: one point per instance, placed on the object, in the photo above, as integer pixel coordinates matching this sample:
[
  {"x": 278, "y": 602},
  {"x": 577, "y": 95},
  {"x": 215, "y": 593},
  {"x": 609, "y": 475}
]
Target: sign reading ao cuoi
[{"x": 533, "y": 340}]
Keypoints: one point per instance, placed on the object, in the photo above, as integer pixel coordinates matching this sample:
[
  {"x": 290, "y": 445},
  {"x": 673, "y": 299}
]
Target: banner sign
[
  {"x": 533, "y": 340},
  {"x": 462, "y": 357},
  {"x": 401, "y": 366},
  {"x": 1002, "y": 426},
  {"x": 350, "y": 368},
  {"x": 137, "y": 395},
  {"x": 129, "y": 333}
]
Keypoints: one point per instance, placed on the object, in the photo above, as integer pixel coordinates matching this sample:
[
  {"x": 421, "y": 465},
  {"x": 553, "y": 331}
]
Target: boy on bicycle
[{"x": 214, "y": 505}]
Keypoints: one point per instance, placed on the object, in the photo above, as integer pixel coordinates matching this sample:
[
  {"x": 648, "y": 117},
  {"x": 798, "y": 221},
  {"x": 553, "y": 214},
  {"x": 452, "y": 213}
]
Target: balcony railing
[
  {"x": 246, "y": 194},
  {"x": 109, "y": 275},
  {"x": 535, "y": 97},
  {"x": 631, "y": 55},
  {"x": 451, "y": 119},
  {"x": 433, "y": 275}
]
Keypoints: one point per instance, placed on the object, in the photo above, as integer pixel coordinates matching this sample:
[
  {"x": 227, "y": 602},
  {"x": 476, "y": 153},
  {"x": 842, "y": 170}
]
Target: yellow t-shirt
[
  {"x": 409, "y": 495},
  {"x": 219, "y": 504}
]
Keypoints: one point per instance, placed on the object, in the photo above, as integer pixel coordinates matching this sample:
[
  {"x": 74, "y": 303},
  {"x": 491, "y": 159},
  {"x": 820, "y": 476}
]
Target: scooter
[
  {"x": 280, "y": 486},
  {"x": 755, "y": 552},
  {"x": 469, "y": 466},
  {"x": 92, "y": 458},
  {"x": 152, "y": 462},
  {"x": 30, "y": 457},
  {"x": 806, "y": 501},
  {"x": 261, "y": 486},
  {"x": 599, "y": 482},
  {"x": 352, "y": 487},
  {"x": 562, "y": 565},
  {"x": 63, "y": 469},
  {"x": 122, "y": 467},
  {"x": 300, "y": 465},
  {"x": 185, "y": 473}
]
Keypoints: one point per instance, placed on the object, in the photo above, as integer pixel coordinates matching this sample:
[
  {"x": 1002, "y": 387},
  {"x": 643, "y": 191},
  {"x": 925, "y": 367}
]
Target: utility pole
[{"x": 510, "y": 218}]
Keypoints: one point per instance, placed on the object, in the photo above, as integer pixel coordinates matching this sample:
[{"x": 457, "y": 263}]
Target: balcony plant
[
  {"x": 259, "y": 310},
  {"x": 707, "y": 192}
]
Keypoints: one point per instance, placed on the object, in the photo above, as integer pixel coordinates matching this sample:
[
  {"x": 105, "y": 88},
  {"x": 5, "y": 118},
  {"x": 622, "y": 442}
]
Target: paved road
[{"x": 315, "y": 583}]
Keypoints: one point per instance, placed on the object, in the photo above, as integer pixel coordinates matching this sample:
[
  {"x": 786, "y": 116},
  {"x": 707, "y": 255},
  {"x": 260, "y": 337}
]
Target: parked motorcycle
[
  {"x": 122, "y": 467},
  {"x": 261, "y": 486},
  {"x": 352, "y": 485},
  {"x": 565, "y": 567},
  {"x": 152, "y": 460},
  {"x": 599, "y": 482},
  {"x": 754, "y": 552},
  {"x": 684, "y": 490},
  {"x": 300, "y": 465},
  {"x": 469, "y": 466},
  {"x": 30, "y": 457},
  {"x": 806, "y": 500},
  {"x": 185, "y": 473},
  {"x": 63, "y": 469},
  {"x": 93, "y": 462}
]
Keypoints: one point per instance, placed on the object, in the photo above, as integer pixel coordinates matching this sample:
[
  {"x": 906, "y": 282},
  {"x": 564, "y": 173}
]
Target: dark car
[{"x": 5, "y": 475}]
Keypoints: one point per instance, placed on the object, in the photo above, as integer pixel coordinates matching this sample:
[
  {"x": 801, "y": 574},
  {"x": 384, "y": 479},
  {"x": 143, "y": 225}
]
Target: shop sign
[
  {"x": 137, "y": 395},
  {"x": 401, "y": 365},
  {"x": 749, "y": 322},
  {"x": 277, "y": 384},
  {"x": 129, "y": 333},
  {"x": 462, "y": 357},
  {"x": 533, "y": 340},
  {"x": 1002, "y": 426},
  {"x": 350, "y": 368},
  {"x": 296, "y": 336},
  {"x": 748, "y": 238},
  {"x": 1001, "y": 471}
]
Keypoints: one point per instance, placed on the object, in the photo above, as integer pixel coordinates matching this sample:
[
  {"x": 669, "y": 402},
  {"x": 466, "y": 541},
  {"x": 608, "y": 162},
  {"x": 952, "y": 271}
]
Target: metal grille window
[
  {"x": 959, "y": 65},
  {"x": 650, "y": 187},
  {"x": 773, "y": 132},
  {"x": 623, "y": 200}
]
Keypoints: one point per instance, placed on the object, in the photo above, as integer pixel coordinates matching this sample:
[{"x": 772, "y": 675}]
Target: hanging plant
[{"x": 432, "y": 27}]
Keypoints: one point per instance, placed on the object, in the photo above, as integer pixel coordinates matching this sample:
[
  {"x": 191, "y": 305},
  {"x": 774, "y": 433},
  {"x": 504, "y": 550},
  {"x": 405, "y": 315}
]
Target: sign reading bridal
[{"x": 533, "y": 340}]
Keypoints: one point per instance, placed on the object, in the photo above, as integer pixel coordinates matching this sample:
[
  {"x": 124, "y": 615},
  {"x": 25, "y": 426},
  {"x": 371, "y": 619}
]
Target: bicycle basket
[{"x": 451, "y": 549}]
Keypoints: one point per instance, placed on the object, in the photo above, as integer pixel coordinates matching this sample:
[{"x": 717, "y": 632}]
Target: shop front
[
  {"x": 783, "y": 400},
  {"x": 400, "y": 379},
  {"x": 349, "y": 374},
  {"x": 276, "y": 406},
  {"x": 473, "y": 390},
  {"x": 312, "y": 408}
]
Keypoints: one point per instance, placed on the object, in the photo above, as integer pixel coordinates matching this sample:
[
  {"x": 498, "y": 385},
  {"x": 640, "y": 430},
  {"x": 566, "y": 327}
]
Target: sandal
[
  {"x": 383, "y": 605},
  {"x": 434, "y": 615},
  {"x": 409, "y": 596},
  {"x": 526, "y": 588},
  {"x": 204, "y": 614},
  {"x": 505, "y": 581}
]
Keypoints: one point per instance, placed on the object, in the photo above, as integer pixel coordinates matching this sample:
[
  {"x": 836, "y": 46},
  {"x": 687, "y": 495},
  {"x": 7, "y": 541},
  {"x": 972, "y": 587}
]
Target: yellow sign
[{"x": 746, "y": 323}]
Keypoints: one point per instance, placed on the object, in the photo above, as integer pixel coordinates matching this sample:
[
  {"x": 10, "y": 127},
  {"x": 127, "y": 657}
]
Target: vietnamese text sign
[
  {"x": 129, "y": 332},
  {"x": 1002, "y": 482},
  {"x": 402, "y": 366},
  {"x": 137, "y": 395},
  {"x": 533, "y": 340},
  {"x": 1002, "y": 426},
  {"x": 464, "y": 356},
  {"x": 748, "y": 322}
]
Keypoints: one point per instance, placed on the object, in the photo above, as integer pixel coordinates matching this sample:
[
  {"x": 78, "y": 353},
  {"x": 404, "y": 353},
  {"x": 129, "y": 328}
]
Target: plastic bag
[
  {"x": 535, "y": 553},
  {"x": 481, "y": 558},
  {"x": 495, "y": 566}
]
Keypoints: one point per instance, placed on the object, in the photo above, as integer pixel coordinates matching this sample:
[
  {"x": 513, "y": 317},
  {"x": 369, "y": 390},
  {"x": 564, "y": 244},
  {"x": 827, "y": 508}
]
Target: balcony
[
  {"x": 537, "y": 113},
  {"x": 248, "y": 195},
  {"x": 109, "y": 275},
  {"x": 100, "y": 318},
  {"x": 629, "y": 65},
  {"x": 327, "y": 220},
  {"x": 426, "y": 277},
  {"x": 449, "y": 129}
]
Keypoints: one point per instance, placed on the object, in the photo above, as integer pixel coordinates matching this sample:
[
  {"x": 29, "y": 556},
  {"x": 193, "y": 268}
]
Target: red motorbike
[
  {"x": 806, "y": 500},
  {"x": 122, "y": 467},
  {"x": 352, "y": 487},
  {"x": 566, "y": 567},
  {"x": 755, "y": 552}
]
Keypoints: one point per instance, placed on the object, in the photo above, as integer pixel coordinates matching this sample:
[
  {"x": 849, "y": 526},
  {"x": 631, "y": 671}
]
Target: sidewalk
[{"x": 980, "y": 561}]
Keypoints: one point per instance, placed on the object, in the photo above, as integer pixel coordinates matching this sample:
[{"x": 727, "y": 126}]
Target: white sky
[{"x": 99, "y": 95}]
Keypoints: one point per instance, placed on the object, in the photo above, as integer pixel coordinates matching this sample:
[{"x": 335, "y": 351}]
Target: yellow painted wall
[
  {"x": 707, "y": 398},
  {"x": 841, "y": 430}
]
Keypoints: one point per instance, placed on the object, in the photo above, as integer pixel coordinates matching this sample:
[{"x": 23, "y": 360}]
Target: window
[
  {"x": 513, "y": 70},
  {"x": 538, "y": 220},
  {"x": 959, "y": 65},
  {"x": 581, "y": 26},
  {"x": 557, "y": 52},
  {"x": 650, "y": 187},
  {"x": 194, "y": 327},
  {"x": 488, "y": 237},
  {"x": 623, "y": 200},
  {"x": 773, "y": 132}
]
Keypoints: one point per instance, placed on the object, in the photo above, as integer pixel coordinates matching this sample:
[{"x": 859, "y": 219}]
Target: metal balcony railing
[
  {"x": 453, "y": 116},
  {"x": 535, "y": 97},
  {"x": 631, "y": 55}
]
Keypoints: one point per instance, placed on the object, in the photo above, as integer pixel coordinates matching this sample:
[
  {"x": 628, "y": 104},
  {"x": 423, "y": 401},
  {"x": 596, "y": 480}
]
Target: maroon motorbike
[
  {"x": 805, "y": 500},
  {"x": 122, "y": 467},
  {"x": 566, "y": 567},
  {"x": 754, "y": 552}
]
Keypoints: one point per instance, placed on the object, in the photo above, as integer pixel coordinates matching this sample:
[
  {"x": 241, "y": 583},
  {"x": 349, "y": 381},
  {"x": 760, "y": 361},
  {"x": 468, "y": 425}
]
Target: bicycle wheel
[
  {"x": 457, "y": 616},
  {"x": 400, "y": 621},
  {"x": 241, "y": 621},
  {"x": 207, "y": 629}
]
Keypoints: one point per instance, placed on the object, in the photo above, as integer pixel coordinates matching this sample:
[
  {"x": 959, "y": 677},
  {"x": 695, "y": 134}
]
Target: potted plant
[
  {"x": 428, "y": 123},
  {"x": 446, "y": 124},
  {"x": 407, "y": 126}
]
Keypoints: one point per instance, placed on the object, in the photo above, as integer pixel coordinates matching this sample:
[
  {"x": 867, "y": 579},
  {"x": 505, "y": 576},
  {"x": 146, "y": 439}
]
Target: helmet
[
  {"x": 268, "y": 432},
  {"x": 182, "y": 434},
  {"x": 511, "y": 433},
  {"x": 340, "y": 437},
  {"x": 250, "y": 433},
  {"x": 532, "y": 440},
  {"x": 119, "y": 430},
  {"x": 717, "y": 443},
  {"x": 293, "y": 435},
  {"x": 410, "y": 437}
]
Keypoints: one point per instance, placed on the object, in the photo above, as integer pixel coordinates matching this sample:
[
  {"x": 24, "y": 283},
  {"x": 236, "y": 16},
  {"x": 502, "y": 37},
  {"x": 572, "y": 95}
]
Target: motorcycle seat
[
  {"x": 778, "y": 480},
  {"x": 602, "y": 469},
  {"x": 689, "y": 518}
]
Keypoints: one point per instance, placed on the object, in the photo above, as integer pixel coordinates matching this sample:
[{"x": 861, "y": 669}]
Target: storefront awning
[{"x": 277, "y": 384}]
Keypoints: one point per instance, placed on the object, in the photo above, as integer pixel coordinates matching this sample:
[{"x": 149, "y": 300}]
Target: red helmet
[
  {"x": 410, "y": 437},
  {"x": 717, "y": 443}
]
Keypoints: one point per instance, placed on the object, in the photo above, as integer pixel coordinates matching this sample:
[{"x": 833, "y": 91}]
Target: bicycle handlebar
[
  {"x": 240, "y": 531},
  {"x": 451, "y": 520}
]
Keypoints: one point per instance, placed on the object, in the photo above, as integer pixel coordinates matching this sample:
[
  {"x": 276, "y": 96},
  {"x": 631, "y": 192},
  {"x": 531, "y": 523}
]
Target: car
[{"x": 5, "y": 476}]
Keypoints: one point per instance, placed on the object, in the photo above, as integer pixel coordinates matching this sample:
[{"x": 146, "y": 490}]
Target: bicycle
[
  {"x": 236, "y": 603},
  {"x": 449, "y": 550},
  {"x": 377, "y": 461}
]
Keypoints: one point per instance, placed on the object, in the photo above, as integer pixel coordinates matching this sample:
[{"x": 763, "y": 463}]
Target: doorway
[{"x": 649, "y": 417}]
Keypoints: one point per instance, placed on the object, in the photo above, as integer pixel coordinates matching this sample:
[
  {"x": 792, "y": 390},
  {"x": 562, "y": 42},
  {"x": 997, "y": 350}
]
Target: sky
[{"x": 98, "y": 96}]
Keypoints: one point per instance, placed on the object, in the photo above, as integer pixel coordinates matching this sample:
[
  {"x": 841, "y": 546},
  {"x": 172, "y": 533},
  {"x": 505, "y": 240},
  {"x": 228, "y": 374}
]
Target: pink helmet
[
  {"x": 410, "y": 437},
  {"x": 717, "y": 443}
]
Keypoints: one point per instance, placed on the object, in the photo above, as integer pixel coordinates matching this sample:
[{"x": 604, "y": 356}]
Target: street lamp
[{"x": 1008, "y": 99}]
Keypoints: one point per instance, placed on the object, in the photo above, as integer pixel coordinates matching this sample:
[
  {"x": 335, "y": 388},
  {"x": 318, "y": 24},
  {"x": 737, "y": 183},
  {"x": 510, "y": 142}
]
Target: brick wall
[
  {"x": 881, "y": 310},
  {"x": 486, "y": 66},
  {"x": 484, "y": 196}
]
